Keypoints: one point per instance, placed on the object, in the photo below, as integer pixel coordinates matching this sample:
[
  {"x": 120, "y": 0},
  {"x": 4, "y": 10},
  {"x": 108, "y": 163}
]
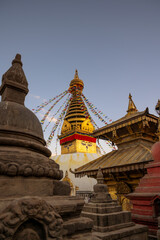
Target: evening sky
[{"x": 114, "y": 44}]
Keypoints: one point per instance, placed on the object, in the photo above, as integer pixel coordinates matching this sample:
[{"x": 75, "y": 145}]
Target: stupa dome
[
  {"x": 22, "y": 146},
  {"x": 13, "y": 90},
  {"x": 25, "y": 122}
]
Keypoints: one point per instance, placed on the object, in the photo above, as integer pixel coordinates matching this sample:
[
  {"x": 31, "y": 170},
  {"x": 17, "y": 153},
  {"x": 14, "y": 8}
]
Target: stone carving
[
  {"x": 19, "y": 169},
  {"x": 30, "y": 208}
]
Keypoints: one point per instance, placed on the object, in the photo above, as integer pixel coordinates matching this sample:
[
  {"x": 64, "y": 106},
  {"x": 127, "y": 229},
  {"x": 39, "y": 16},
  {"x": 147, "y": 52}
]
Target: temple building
[
  {"x": 134, "y": 134},
  {"x": 78, "y": 146}
]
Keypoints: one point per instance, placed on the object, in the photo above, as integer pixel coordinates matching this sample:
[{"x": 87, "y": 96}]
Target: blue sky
[{"x": 114, "y": 44}]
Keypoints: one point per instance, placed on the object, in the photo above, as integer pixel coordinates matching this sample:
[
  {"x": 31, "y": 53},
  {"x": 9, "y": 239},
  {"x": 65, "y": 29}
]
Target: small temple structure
[
  {"x": 134, "y": 134},
  {"x": 78, "y": 146},
  {"x": 110, "y": 222}
]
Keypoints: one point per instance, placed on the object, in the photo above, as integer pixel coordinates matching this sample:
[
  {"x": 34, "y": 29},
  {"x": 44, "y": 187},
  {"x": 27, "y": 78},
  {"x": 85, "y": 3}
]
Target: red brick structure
[{"x": 146, "y": 198}]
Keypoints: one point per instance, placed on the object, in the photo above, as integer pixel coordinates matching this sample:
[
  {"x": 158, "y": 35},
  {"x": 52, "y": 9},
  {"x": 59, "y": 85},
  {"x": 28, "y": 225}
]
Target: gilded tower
[
  {"x": 77, "y": 127},
  {"x": 78, "y": 146}
]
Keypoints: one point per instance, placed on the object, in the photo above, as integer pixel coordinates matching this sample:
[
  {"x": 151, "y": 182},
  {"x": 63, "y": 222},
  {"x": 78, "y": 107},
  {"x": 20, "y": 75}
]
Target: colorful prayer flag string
[
  {"x": 38, "y": 108},
  {"x": 47, "y": 113},
  {"x": 55, "y": 114},
  {"x": 57, "y": 139},
  {"x": 61, "y": 117},
  {"x": 101, "y": 148},
  {"x": 95, "y": 110}
]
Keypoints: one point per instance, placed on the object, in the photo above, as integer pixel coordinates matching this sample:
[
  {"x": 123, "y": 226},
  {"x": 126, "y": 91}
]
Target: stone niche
[{"x": 34, "y": 202}]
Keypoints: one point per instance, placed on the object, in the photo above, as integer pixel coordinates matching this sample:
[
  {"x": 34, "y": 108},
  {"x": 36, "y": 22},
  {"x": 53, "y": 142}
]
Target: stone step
[
  {"x": 113, "y": 228},
  {"x": 108, "y": 219},
  {"x": 75, "y": 225},
  {"x": 136, "y": 232}
]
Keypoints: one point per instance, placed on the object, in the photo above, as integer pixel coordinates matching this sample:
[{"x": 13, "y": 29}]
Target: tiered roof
[{"x": 134, "y": 135}]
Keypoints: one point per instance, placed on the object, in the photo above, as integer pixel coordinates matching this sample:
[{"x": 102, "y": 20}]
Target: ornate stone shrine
[
  {"x": 110, "y": 222},
  {"x": 31, "y": 201}
]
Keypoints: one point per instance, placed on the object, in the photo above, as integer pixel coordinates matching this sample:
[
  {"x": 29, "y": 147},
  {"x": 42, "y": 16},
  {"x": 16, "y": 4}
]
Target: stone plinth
[
  {"x": 110, "y": 222},
  {"x": 146, "y": 198}
]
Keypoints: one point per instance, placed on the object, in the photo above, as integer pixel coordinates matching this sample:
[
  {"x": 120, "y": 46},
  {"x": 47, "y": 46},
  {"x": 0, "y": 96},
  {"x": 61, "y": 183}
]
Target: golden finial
[
  {"x": 131, "y": 106},
  {"x": 76, "y": 74},
  {"x": 66, "y": 174}
]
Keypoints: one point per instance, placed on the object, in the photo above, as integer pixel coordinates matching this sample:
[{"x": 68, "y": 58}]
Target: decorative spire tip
[
  {"x": 130, "y": 96},
  {"x": 76, "y": 74},
  {"x": 17, "y": 59},
  {"x": 131, "y": 106}
]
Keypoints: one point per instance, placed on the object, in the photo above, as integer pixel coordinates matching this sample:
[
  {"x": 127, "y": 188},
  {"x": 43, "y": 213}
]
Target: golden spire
[
  {"x": 76, "y": 84},
  {"x": 77, "y": 127},
  {"x": 131, "y": 106},
  {"x": 76, "y": 74}
]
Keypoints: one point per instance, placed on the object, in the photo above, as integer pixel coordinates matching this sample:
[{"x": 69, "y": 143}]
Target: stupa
[
  {"x": 78, "y": 146},
  {"x": 31, "y": 201},
  {"x": 110, "y": 222}
]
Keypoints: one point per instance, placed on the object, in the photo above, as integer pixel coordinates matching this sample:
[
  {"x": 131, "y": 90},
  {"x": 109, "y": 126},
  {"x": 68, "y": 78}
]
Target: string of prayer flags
[
  {"x": 38, "y": 108},
  {"x": 92, "y": 121},
  {"x": 95, "y": 111},
  {"x": 47, "y": 113},
  {"x": 57, "y": 139},
  {"x": 61, "y": 117},
  {"x": 51, "y": 119},
  {"x": 101, "y": 148}
]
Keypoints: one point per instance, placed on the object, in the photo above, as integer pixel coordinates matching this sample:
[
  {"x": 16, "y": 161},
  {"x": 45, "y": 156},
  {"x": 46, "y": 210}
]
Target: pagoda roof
[
  {"x": 134, "y": 134},
  {"x": 128, "y": 119},
  {"x": 129, "y": 158}
]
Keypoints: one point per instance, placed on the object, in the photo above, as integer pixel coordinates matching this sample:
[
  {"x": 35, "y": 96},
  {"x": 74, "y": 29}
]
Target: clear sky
[{"x": 114, "y": 44}]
